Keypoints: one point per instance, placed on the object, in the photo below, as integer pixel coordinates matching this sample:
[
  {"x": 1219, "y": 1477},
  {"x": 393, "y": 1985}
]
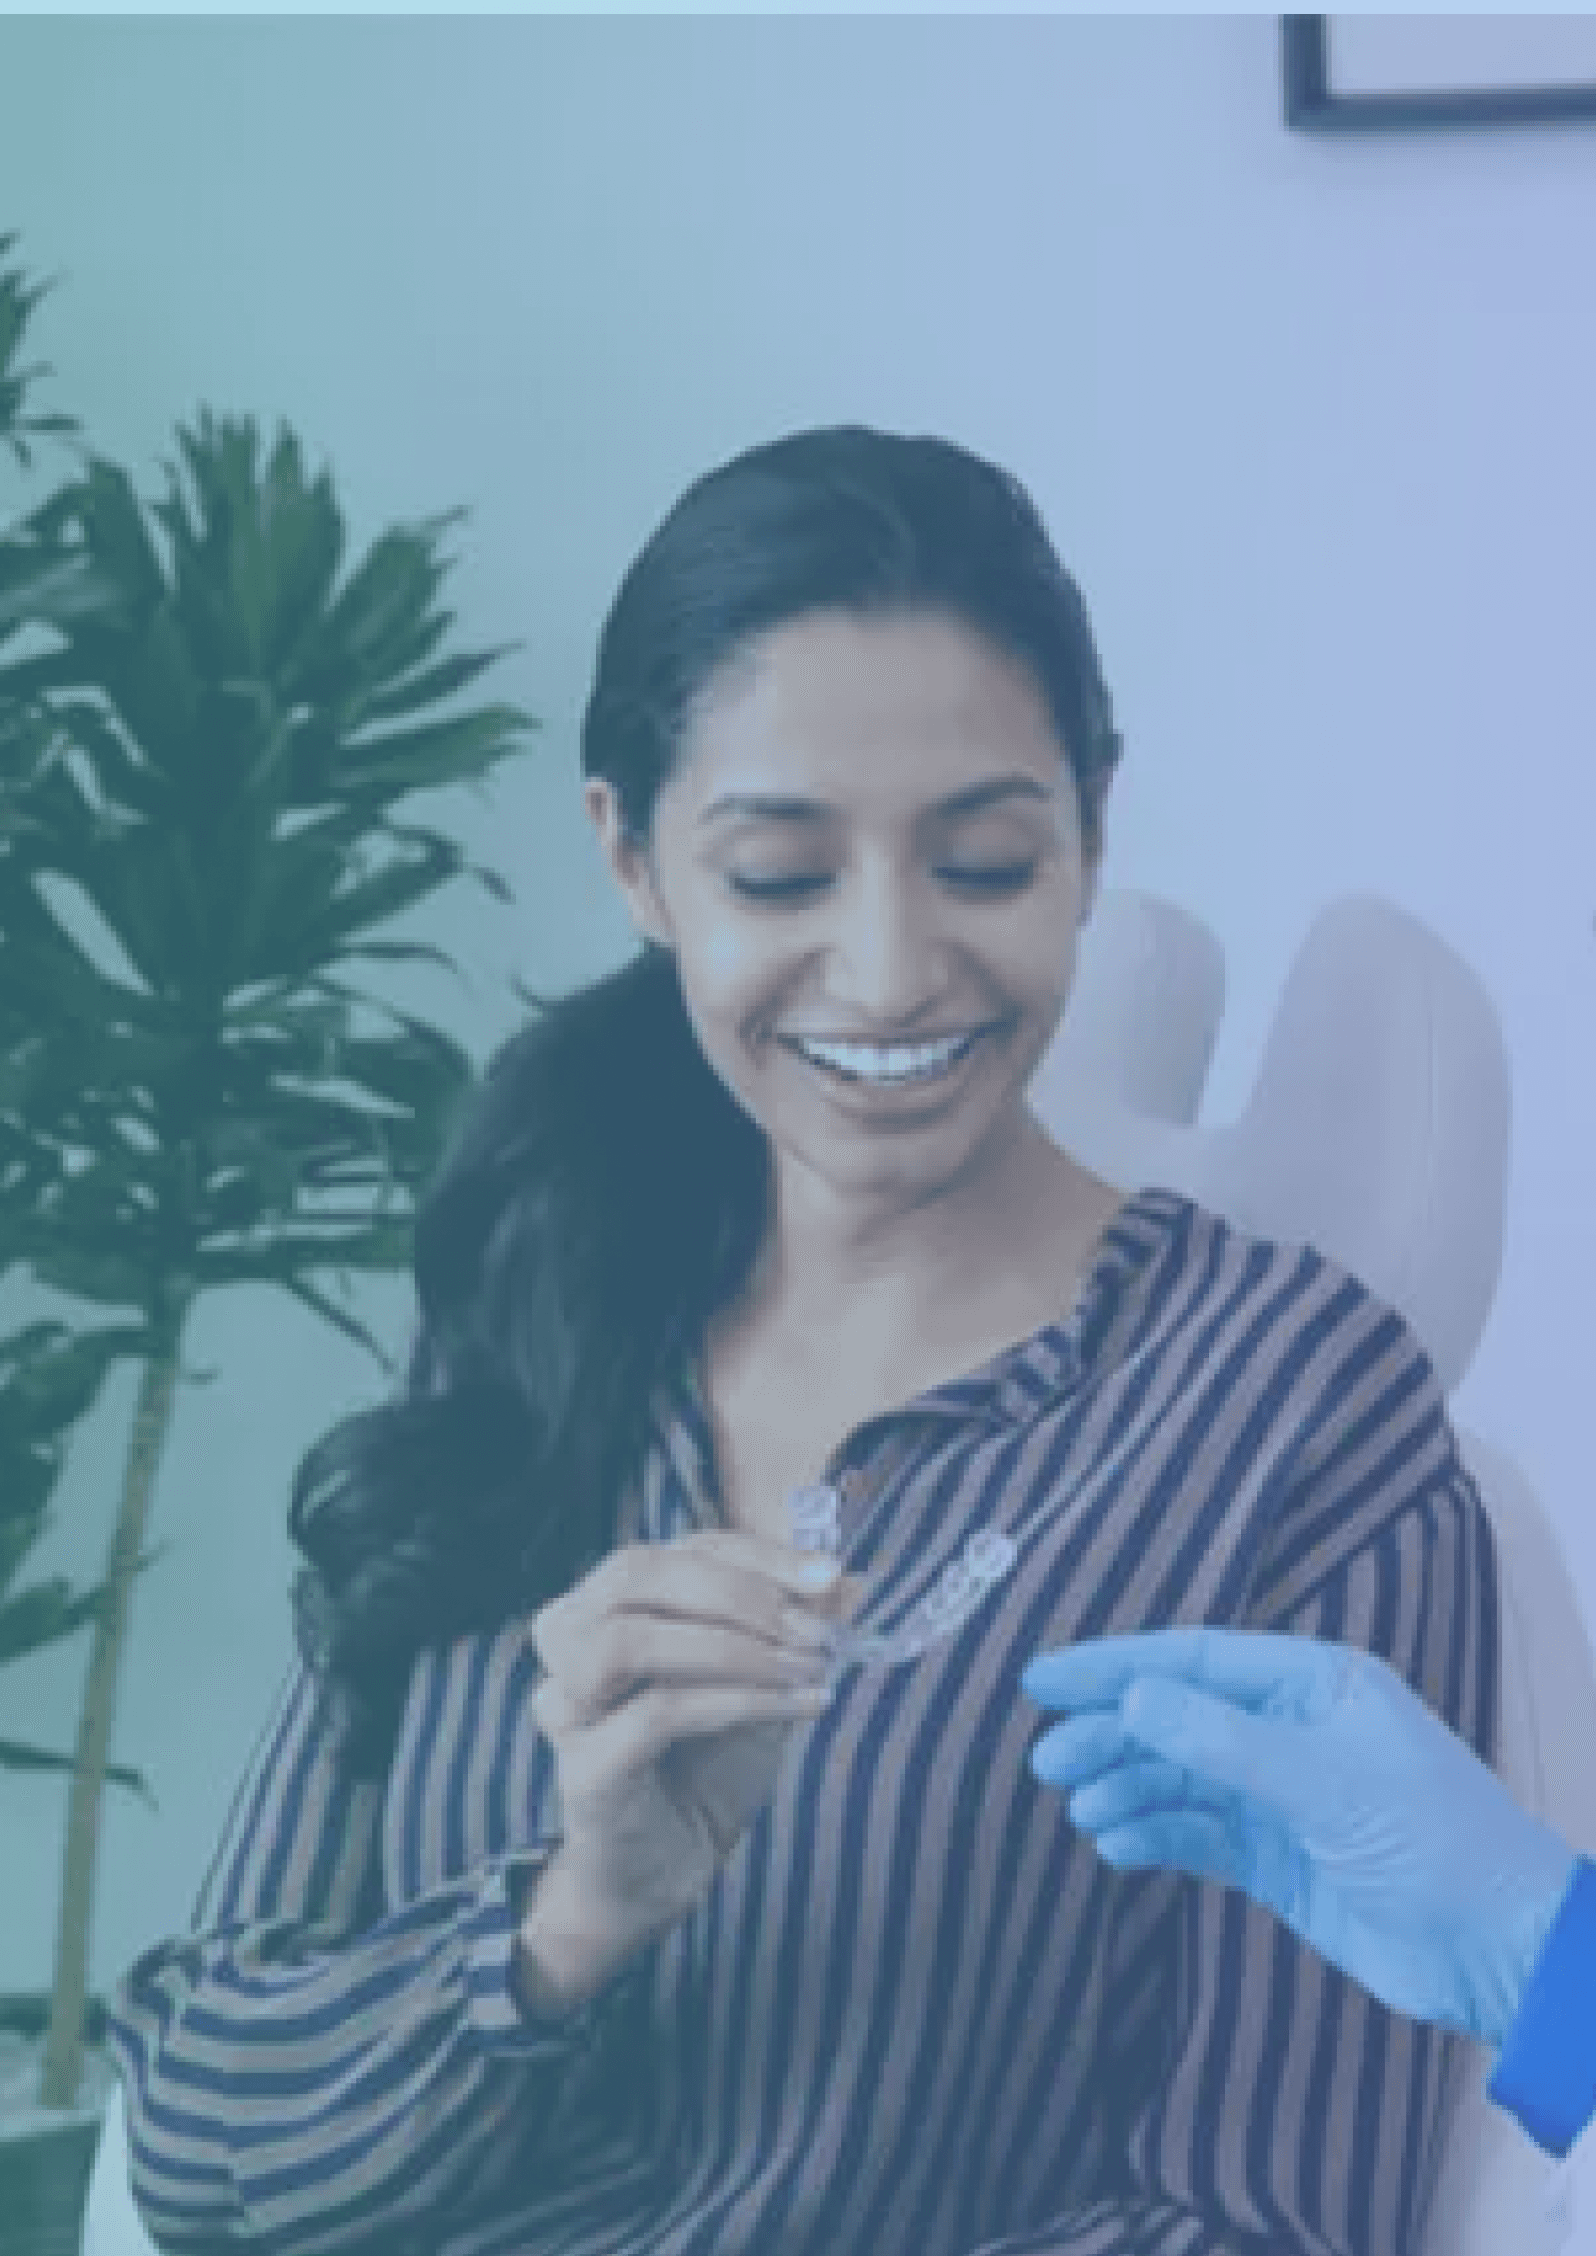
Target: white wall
[{"x": 1311, "y": 421}]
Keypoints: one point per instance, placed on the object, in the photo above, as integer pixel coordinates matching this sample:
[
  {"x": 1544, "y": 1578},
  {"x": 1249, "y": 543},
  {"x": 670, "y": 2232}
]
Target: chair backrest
[
  {"x": 1378, "y": 1125},
  {"x": 1377, "y": 1129}
]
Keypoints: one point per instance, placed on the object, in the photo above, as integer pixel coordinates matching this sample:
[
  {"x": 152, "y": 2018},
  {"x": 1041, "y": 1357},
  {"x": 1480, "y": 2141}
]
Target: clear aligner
[{"x": 814, "y": 1518}]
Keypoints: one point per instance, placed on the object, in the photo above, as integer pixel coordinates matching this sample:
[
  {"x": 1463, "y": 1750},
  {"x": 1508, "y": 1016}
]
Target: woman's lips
[{"x": 859, "y": 1092}]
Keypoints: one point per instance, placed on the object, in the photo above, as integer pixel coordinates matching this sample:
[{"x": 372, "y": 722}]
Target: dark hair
[{"x": 603, "y": 1193}]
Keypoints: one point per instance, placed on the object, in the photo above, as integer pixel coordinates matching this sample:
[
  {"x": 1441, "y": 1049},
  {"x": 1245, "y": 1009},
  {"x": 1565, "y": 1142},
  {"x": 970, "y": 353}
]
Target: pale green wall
[{"x": 1311, "y": 421}]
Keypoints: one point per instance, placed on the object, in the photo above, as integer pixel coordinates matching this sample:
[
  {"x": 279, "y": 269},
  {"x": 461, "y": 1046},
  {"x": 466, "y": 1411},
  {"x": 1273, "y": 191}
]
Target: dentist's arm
[{"x": 1312, "y": 1778}]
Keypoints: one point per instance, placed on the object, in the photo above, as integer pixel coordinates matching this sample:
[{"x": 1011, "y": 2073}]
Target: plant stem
[{"x": 63, "y": 2054}]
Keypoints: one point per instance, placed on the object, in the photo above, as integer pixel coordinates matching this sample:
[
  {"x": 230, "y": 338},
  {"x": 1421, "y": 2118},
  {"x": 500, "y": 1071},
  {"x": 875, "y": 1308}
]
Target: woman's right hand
[{"x": 675, "y": 1675}]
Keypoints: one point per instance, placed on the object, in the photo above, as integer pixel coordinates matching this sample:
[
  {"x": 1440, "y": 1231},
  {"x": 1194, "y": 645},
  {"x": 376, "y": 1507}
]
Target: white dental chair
[{"x": 1377, "y": 1129}]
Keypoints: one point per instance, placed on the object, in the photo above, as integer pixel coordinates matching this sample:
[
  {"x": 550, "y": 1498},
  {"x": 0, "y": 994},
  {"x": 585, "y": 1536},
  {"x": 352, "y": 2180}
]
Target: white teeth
[{"x": 868, "y": 1062}]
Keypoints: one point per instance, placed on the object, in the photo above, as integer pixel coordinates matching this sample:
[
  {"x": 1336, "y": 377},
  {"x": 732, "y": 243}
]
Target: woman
[
  {"x": 1313, "y": 1778},
  {"x": 574, "y": 1902}
]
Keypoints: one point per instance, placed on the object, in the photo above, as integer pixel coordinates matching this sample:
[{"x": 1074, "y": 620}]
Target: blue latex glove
[{"x": 1310, "y": 1776}]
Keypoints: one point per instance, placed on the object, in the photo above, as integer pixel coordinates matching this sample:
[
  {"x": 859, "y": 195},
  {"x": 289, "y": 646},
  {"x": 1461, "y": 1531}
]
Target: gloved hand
[{"x": 1310, "y": 1776}]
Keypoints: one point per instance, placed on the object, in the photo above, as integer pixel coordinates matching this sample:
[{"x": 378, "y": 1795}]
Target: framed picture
[{"x": 1384, "y": 74}]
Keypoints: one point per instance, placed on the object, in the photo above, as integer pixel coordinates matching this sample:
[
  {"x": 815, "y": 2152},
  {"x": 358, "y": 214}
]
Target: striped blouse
[{"x": 915, "y": 2015}]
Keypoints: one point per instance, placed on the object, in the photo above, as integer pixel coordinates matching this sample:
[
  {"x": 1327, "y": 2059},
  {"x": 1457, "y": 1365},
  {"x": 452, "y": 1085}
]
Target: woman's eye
[
  {"x": 1007, "y": 879},
  {"x": 773, "y": 888}
]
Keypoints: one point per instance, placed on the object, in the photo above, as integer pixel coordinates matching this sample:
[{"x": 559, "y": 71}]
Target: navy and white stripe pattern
[{"x": 915, "y": 2015}]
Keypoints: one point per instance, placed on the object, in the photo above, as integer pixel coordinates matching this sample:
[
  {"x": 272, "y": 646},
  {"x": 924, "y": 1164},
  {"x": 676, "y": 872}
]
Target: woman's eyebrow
[{"x": 769, "y": 807}]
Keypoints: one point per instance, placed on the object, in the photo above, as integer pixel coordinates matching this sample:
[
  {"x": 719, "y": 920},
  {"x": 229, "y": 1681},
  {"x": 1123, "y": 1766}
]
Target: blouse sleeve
[{"x": 307, "y": 2070}]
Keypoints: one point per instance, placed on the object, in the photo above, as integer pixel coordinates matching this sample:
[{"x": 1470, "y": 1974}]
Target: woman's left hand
[{"x": 1311, "y": 1777}]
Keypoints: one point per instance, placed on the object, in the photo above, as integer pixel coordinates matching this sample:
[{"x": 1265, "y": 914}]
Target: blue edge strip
[{"x": 1545, "y": 2073}]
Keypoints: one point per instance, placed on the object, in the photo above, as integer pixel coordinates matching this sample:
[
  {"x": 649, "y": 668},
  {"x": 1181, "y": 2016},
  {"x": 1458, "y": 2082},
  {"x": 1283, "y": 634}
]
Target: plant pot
[
  {"x": 46, "y": 2155},
  {"x": 44, "y": 2185}
]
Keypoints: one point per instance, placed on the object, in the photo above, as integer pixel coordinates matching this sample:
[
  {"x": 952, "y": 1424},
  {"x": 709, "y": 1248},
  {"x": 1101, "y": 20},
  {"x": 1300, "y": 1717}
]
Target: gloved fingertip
[
  {"x": 1149, "y": 1705},
  {"x": 1167, "y": 1719}
]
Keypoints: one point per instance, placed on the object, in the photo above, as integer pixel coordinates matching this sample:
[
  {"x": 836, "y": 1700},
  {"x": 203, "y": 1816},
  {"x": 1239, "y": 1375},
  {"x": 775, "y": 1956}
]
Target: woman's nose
[{"x": 885, "y": 953}]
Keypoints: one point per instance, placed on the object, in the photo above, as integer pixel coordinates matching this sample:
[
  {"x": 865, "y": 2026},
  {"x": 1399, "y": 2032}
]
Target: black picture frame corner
[{"x": 1313, "y": 105}]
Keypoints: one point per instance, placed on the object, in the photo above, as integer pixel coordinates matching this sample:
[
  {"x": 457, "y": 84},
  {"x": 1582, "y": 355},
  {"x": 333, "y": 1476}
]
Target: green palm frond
[
  {"x": 211, "y": 765},
  {"x": 41, "y": 580},
  {"x": 18, "y": 300}
]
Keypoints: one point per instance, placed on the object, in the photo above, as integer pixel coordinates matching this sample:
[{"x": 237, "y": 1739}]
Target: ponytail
[{"x": 601, "y": 1196}]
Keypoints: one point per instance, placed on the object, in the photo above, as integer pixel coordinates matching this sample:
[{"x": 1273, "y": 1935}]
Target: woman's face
[{"x": 872, "y": 837}]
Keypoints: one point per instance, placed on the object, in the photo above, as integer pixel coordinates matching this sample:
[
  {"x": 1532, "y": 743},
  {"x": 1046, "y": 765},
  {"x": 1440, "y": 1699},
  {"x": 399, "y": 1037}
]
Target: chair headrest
[{"x": 1378, "y": 1126}]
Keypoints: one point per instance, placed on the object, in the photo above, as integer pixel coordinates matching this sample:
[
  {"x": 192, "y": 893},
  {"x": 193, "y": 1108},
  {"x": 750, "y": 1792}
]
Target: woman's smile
[{"x": 903, "y": 1081}]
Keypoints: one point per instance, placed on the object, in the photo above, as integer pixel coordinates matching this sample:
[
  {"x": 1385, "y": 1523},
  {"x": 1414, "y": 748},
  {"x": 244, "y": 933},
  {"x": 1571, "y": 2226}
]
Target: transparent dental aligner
[{"x": 814, "y": 1518}]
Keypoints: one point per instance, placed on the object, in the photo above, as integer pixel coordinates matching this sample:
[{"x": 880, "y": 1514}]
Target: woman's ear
[{"x": 627, "y": 856}]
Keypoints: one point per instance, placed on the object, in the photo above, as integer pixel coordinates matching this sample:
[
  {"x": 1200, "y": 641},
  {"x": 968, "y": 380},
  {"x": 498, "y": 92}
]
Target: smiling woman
[
  {"x": 868, "y": 867},
  {"x": 592, "y": 1892}
]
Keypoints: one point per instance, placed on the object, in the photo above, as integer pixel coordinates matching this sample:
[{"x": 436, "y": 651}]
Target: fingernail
[{"x": 820, "y": 1572}]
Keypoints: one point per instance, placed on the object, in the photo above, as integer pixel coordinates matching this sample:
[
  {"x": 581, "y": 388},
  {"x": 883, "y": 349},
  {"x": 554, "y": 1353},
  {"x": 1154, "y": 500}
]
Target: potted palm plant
[
  {"x": 209, "y": 759},
  {"x": 50, "y": 1372}
]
